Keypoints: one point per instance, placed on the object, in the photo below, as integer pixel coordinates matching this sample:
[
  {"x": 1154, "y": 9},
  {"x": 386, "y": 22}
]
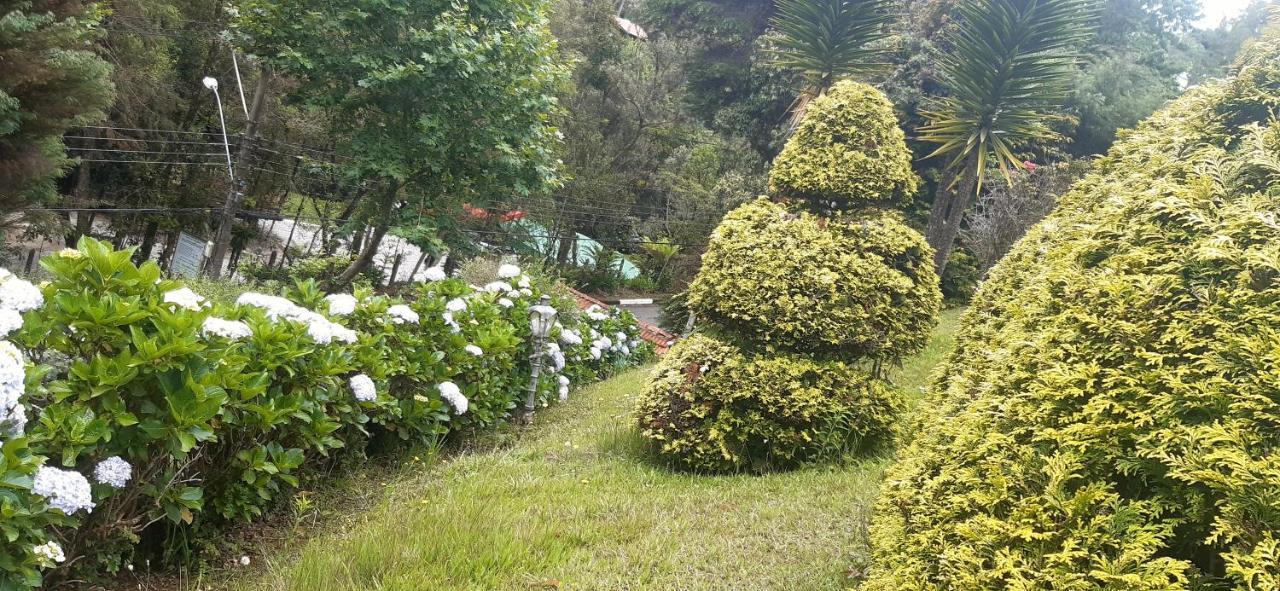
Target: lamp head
[
  {"x": 210, "y": 82},
  {"x": 541, "y": 318}
]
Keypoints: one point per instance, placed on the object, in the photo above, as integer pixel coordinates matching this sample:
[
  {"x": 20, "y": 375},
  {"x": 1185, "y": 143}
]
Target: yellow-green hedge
[
  {"x": 713, "y": 406},
  {"x": 855, "y": 285},
  {"x": 1110, "y": 418},
  {"x": 848, "y": 149}
]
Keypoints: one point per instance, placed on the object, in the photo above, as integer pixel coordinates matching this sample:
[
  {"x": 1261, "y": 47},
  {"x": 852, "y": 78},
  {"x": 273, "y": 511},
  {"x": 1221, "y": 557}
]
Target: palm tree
[
  {"x": 1008, "y": 71},
  {"x": 829, "y": 40}
]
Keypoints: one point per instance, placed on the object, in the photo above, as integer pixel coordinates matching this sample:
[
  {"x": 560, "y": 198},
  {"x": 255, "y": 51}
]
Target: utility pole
[{"x": 222, "y": 240}]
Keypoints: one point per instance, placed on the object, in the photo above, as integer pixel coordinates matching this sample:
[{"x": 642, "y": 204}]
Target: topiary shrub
[
  {"x": 713, "y": 406},
  {"x": 854, "y": 284},
  {"x": 848, "y": 149},
  {"x": 1111, "y": 414}
]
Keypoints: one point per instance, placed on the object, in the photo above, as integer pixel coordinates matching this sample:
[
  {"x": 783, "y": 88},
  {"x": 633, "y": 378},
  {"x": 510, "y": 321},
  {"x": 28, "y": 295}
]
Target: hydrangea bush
[
  {"x": 1109, "y": 417},
  {"x": 803, "y": 300},
  {"x": 150, "y": 411}
]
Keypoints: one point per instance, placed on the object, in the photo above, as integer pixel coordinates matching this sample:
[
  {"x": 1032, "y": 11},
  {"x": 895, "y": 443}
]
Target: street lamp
[
  {"x": 541, "y": 318},
  {"x": 212, "y": 84}
]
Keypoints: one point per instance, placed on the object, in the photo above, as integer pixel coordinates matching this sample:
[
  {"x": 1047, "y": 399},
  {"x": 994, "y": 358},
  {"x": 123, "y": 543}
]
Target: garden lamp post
[{"x": 541, "y": 318}]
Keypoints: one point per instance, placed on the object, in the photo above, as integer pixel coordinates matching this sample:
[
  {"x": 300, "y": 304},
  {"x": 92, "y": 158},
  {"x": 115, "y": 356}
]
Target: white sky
[{"x": 1215, "y": 11}]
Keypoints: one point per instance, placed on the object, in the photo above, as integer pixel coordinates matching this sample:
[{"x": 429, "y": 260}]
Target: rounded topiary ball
[
  {"x": 848, "y": 149},
  {"x": 712, "y": 406},
  {"x": 855, "y": 285}
]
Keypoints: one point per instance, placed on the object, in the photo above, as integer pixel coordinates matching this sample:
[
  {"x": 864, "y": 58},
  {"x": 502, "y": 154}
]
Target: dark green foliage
[
  {"x": 712, "y": 406},
  {"x": 853, "y": 285},
  {"x": 1108, "y": 419},
  {"x": 49, "y": 83},
  {"x": 830, "y": 40}
]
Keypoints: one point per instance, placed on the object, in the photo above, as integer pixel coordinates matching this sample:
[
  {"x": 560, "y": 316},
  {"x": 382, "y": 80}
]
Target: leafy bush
[
  {"x": 319, "y": 268},
  {"x": 848, "y": 149},
  {"x": 853, "y": 285},
  {"x": 203, "y": 414},
  {"x": 713, "y": 406},
  {"x": 1109, "y": 417},
  {"x": 807, "y": 309}
]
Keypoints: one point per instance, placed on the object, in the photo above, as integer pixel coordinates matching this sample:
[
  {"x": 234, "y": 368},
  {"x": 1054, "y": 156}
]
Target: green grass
[{"x": 574, "y": 505}]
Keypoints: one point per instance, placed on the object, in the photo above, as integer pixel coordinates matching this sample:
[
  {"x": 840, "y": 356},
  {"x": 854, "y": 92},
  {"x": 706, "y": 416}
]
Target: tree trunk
[
  {"x": 375, "y": 240},
  {"x": 170, "y": 245},
  {"x": 949, "y": 206},
  {"x": 568, "y": 239},
  {"x": 148, "y": 243},
  {"x": 84, "y": 219}
]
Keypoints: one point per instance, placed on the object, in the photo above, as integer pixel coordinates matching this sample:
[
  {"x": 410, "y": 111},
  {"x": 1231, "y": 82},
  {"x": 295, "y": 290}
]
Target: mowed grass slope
[{"x": 575, "y": 505}]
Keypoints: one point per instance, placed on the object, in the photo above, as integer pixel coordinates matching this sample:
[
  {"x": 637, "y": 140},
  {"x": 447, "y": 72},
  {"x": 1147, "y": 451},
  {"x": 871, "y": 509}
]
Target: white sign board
[{"x": 188, "y": 258}]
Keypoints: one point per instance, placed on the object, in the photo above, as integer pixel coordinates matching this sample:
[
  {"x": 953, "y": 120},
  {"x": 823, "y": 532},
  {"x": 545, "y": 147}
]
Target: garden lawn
[{"x": 574, "y": 505}]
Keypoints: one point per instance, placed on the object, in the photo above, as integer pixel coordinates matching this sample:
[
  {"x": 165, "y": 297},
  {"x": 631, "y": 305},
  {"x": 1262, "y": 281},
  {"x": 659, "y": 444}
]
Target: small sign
[{"x": 188, "y": 258}]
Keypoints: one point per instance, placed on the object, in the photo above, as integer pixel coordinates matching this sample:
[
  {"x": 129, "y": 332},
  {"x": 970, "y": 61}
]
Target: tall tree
[
  {"x": 443, "y": 101},
  {"x": 49, "y": 82},
  {"x": 1007, "y": 72},
  {"x": 830, "y": 40}
]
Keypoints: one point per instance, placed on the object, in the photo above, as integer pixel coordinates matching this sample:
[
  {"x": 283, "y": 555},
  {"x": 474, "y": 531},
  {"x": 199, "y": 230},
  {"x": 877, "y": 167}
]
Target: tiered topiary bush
[
  {"x": 802, "y": 300},
  {"x": 149, "y": 414},
  {"x": 1110, "y": 418}
]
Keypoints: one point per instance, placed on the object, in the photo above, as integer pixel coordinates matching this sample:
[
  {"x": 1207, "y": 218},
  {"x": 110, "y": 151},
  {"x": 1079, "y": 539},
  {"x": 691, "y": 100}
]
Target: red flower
[
  {"x": 513, "y": 215},
  {"x": 474, "y": 213},
  {"x": 1030, "y": 166}
]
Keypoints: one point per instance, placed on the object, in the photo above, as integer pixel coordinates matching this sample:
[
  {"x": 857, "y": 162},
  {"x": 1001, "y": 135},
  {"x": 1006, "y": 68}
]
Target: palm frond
[
  {"x": 1009, "y": 71},
  {"x": 828, "y": 40}
]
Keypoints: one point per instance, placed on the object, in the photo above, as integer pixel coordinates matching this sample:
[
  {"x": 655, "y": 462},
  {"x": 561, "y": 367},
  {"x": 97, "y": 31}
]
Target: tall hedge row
[
  {"x": 802, "y": 299},
  {"x": 1110, "y": 418},
  {"x": 132, "y": 410}
]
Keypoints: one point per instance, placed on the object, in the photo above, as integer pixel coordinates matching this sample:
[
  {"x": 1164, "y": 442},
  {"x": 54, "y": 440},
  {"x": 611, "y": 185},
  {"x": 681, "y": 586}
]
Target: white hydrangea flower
[
  {"x": 526, "y": 292},
  {"x": 363, "y": 389},
  {"x": 498, "y": 286},
  {"x": 401, "y": 314},
  {"x": 564, "y": 393},
  {"x": 474, "y": 350},
  {"x": 14, "y": 421},
  {"x": 113, "y": 471},
  {"x": 13, "y": 375},
  {"x": 619, "y": 337},
  {"x": 320, "y": 329},
  {"x": 594, "y": 313},
  {"x": 435, "y": 274},
  {"x": 595, "y": 353},
  {"x": 10, "y": 320},
  {"x": 508, "y": 271},
  {"x": 184, "y": 298},
  {"x": 456, "y": 305},
  {"x": 227, "y": 329},
  {"x": 625, "y": 350},
  {"x": 570, "y": 337},
  {"x": 18, "y": 294},
  {"x": 49, "y": 553},
  {"x": 341, "y": 304},
  {"x": 564, "y": 380},
  {"x": 513, "y": 294},
  {"x": 448, "y": 319},
  {"x": 66, "y": 490},
  {"x": 524, "y": 282},
  {"x": 603, "y": 343},
  {"x": 453, "y": 395},
  {"x": 505, "y": 302}
]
